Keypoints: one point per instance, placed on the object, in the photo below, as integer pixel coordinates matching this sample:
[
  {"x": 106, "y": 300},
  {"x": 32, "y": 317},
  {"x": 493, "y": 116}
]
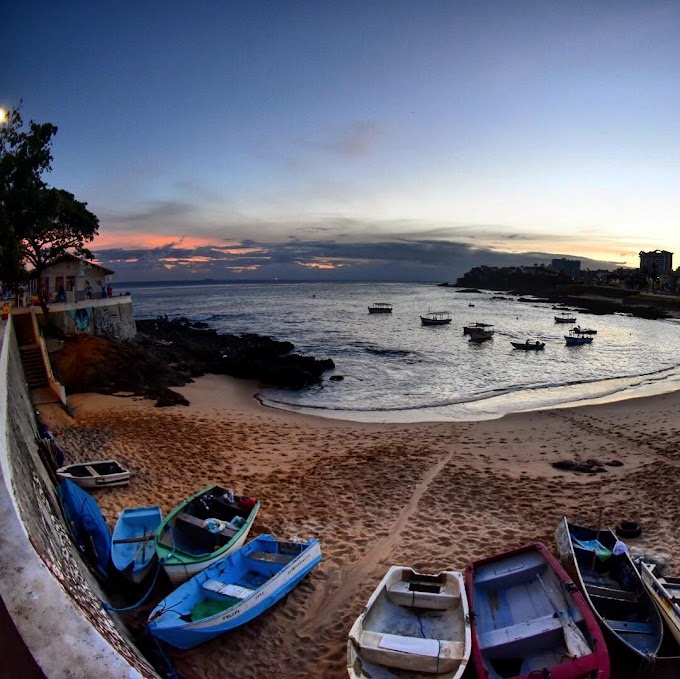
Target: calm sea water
[{"x": 395, "y": 369}]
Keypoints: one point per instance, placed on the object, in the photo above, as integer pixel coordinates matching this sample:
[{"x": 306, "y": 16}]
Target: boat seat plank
[
  {"x": 271, "y": 557},
  {"x": 520, "y": 572},
  {"x": 631, "y": 627},
  {"x": 413, "y": 645},
  {"x": 138, "y": 538},
  {"x": 519, "y": 632},
  {"x": 609, "y": 593},
  {"x": 227, "y": 589},
  {"x": 91, "y": 470},
  {"x": 407, "y": 593}
]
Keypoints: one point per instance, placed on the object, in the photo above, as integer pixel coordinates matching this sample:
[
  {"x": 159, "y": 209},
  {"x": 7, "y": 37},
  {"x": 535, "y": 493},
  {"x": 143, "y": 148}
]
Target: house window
[{"x": 70, "y": 283}]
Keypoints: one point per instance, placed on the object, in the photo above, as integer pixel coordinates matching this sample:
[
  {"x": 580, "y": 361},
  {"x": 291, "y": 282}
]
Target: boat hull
[
  {"x": 524, "y": 607},
  {"x": 169, "y": 627},
  {"x": 97, "y": 474},
  {"x": 528, "y": 347},
  {"x": 133, "y": 553},
  {"x": 663, "y": 591}
]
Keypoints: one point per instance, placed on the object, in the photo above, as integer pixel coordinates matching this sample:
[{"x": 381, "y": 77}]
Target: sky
[{"x": 373, "y": 140}]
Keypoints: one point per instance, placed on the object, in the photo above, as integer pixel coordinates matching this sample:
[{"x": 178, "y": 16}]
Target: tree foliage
[{"x": 39, "y": 224}]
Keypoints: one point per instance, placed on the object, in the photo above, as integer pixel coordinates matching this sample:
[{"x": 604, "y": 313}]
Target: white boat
[
  {"x": 585, "y": 331},
  {"x": 665, "y": 592},
  {"x": 565, "y": 318},
  {"x": 475, "y": 328},
  {"x": 380, "y": 308},
  {"x": 98, "y": 474},
  {"x": 436, "y": 318},
  {"x": 574, "y": 339},
  {"x": 412, "y": 622}
]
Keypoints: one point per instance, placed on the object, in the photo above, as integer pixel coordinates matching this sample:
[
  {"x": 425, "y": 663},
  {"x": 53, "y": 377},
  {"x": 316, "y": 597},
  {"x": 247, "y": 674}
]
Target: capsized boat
[
  {"x": 436, "y": 318},
  {"x": 529, "y": 620},
  {"x": 612, "y": 586},
  {"x": 665, "y": 592},
  {"x": 232, "y": 591},
  {"x": 133, "y": 553},
  {"x": 202, "y": 529},
  {"x": 87, "y": 525},
  {"x": 412, "y": 622},
  {"x": 97, "y": 474}
]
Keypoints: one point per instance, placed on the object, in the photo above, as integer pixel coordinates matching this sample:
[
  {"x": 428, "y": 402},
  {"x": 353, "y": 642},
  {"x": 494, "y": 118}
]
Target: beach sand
[{"x": 432, "y": 496}]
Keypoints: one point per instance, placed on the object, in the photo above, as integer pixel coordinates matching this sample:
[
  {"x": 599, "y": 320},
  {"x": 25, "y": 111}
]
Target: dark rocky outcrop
[{"x": 171, "y": 353}]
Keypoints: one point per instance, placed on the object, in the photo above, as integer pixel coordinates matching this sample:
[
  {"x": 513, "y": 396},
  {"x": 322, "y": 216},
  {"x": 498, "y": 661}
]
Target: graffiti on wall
[
  {"x": 81, "y": 318},
  {"x": 107, "y": 321}
]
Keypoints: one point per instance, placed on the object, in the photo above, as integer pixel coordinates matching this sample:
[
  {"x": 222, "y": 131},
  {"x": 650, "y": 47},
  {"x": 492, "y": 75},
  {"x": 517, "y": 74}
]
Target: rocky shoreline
[{"x": 167, "y": 354}]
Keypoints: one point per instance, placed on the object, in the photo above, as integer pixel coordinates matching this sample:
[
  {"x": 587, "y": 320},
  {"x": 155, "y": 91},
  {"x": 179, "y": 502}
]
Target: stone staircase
[{"x": 29, "y": 348}]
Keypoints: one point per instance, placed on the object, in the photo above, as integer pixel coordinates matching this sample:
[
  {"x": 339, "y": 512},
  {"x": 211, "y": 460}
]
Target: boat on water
[
  {"x": 133, "y": 553},
  {"x": 413, "y": 623},
  {"x": 528, "y": 620},
  {"x": 529, "y": 346},
  {"x": 473, "y": 328},
  {"x": 202, "y": 529},
  {"x": 584, "y": 331},
  {"x": 380, "y": 308},
  {"x": 612, "y": 587},
  {"x": 574, "y": 339},
  {"x": 481, "y": 334},
  {"x": 97, "y": 474},
  {"x": 565, "y": 318},
  {"x": 665, "y": 592},
  {"x": 87, "y": 525},
  {"x": 436, "y": 318},
  {"x": 232, "y": 591}
]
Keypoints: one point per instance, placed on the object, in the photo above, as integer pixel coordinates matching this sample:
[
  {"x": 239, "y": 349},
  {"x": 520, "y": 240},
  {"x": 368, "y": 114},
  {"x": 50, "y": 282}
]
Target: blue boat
[
  {"x": 87, "y": 525},
  {"x": 233, "y": 590},
  {"x": 133, "y": 552}
]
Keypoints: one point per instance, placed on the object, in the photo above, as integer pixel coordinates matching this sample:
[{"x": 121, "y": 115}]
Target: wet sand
[{"x": 433, "y": 496}]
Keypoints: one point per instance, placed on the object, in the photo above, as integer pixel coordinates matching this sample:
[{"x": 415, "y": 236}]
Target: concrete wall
[{"x": 54, "y": 601}]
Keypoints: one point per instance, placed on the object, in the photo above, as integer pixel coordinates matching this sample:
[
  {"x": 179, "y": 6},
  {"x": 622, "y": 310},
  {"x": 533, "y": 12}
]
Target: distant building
[
  {"x": 656, "y": 263},
  {"x": 571, "y": 267}
]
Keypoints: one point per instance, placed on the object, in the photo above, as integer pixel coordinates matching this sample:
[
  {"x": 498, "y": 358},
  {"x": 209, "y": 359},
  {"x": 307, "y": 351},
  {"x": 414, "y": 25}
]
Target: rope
[
  {"x": 172, "y": 673},
  {"x": 108, "y": 607}
]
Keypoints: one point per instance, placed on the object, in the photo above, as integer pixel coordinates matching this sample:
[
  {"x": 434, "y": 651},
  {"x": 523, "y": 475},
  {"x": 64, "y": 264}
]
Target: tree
[{"x": 39, "y": 224}]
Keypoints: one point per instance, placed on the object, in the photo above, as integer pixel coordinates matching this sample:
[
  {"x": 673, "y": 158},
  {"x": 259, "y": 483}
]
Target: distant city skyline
[{"x": 354, "y": 140}]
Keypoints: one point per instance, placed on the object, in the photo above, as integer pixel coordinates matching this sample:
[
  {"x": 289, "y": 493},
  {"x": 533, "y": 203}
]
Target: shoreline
[{"x": 430, "y": 495}]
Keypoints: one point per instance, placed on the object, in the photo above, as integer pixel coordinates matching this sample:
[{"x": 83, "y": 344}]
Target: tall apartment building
[
  {"x": 571, "y": 267},
  {"x": 657, "y": 262}
]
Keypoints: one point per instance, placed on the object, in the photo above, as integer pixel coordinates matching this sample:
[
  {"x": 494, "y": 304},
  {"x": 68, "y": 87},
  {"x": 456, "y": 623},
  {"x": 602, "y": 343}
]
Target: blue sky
[{"x": 354, "y": 140}]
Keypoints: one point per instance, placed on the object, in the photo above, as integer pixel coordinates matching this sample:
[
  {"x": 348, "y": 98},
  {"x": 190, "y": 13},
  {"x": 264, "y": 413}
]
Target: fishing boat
[
  {"x": 529, "y": 346},
  {"x": 87, "y": 525},
  {"x": 132, "y": 547},
  {"x": 232, "y": 591},
  {"x": 412, "y": 622},
  {"x": 436, "y": 318},
  {"x": 528, "y": 619},
  {"x": 585, "y": 331},
  {"x": 612, "y": 586},
  {"x": 665, "y": 592},
  {"x": 481, "y": 335},
  {"x": 98, "y": 474},
  {"x": 380, "y": 308},
  {"x": 475, "y": 328},
  {"x": 202, "y": 529},
  {"x": 574, "y": 339},
  {"x": 565, "y": 318}
]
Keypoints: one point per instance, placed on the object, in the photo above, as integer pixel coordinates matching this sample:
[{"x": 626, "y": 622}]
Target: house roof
[{"x": 83, "y": 262}]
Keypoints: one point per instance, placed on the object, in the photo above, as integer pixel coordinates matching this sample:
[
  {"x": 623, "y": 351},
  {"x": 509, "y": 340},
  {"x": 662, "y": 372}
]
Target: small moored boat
[
  {"x": 475, "y": 328},
  {"x": 436, "y": 318},
  {"x": 584, "y": 331},
  {"x": 132, "y": 544},
  {"x": 565, "y": 318},
  {"x": 529, "y": 346},
  {"x": 233, "y": 590},
  {"x": 412, "y": 623},
  {"x": 665, "y": 592},
  {"x": 574, "y": 339},
  {"x": 201, "y": 530},
  {"x": 380, "y": 308},
  {"x": 98, "y": 474},
  {"x": 528, "y": 619}
]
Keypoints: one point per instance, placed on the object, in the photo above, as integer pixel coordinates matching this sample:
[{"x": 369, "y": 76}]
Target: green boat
[{"x": 203, "y": 529}]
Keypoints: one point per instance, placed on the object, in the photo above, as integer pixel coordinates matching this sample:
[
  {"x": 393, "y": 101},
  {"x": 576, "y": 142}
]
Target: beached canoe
[
  {"x": 412, "y": 622},
  {"x": 202, "y": 529},
  {"x": 87, "y": 525},
  {"x": 133, "y": 553},
  {"x": 529, "y": 620},
  {"x": 98, "y": 474},
  {"x": 612, "y": 586},
  {"x": 232, "y": 591}
]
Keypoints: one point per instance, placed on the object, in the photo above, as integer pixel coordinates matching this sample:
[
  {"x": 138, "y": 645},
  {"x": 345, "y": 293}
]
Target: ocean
[{"x": 395, "y": 369}]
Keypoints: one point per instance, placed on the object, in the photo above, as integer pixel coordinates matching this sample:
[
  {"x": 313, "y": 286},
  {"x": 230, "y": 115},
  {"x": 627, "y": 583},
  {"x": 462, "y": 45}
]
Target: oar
[{"x": 577, "y": 645}]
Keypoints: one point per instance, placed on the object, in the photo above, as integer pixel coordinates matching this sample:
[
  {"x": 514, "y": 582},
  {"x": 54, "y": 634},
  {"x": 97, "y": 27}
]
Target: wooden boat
[
  {"x": 565, "y": 318},
  {"x": 475, "y": 328},
  {"x": 574, "y": 339},
  {"x": 380, "y": 308},
  {"x": 132, "y": 546},
  {"x": 436, "y": 318},
  {"x": 412, "y": 622},
  {"x": 87, "y": 525},
  {"x": 481, "y": 334},
  {"x": 612, "y": 586},
  {"x": 529, "y": 346},
  {"x": 98, "y": 474},
  {"x": 232, "y": 591},
  {"x": 203, "y": 529},
  {"x": 584, "y": 331},
  {"x": 528, "y": 619},
  {"x": 665, "y": 592}
]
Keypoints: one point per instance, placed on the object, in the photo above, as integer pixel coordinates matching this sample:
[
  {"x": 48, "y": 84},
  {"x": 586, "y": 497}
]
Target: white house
[{"x": 79, "y": 279}]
